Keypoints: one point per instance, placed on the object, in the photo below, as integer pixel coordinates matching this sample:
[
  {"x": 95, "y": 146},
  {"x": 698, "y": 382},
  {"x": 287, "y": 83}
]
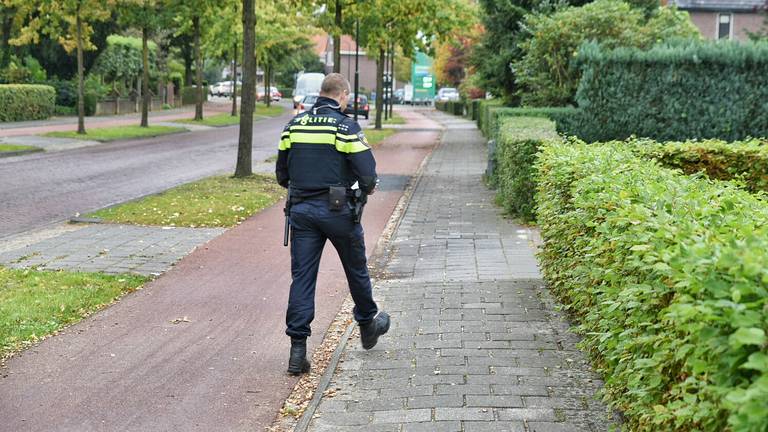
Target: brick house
[
  {"x": 367, "y": 66},
  {"x": 725, "y": 19}
]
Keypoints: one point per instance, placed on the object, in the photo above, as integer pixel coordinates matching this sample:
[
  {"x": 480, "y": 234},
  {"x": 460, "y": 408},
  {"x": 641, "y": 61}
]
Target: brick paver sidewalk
[{"x": 475, "y": 343}]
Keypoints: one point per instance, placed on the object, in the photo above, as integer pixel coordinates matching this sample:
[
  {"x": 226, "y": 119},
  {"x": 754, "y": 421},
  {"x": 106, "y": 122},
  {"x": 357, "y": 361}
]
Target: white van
[{"x": 307, "y": 83}]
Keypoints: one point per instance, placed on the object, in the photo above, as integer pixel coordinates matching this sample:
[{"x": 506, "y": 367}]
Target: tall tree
[
  {"x": 147, "y": 16},
  {"x": 194, "y": 17},
  {"x": 224, "y": 36},
  {"x": 70, "y": 22},
  {"x": 244, "y": 166},
  {"x": 12, "y": 13}
]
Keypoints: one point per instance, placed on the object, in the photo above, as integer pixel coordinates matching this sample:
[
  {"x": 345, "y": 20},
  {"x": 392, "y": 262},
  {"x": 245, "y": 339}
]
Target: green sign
[{"x": 423, "y": 79}]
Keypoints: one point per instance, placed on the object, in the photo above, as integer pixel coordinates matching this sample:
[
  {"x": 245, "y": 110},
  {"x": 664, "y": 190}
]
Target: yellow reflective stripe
[
  {"x": 285, "y": 134},
  {"x": 299, "y": 128},
  {"x": 349, "y": 137},
  {"x": 351, "y": 147},
  {"x": 285, "y": 144},
  {"x": 313, "y": 138}
]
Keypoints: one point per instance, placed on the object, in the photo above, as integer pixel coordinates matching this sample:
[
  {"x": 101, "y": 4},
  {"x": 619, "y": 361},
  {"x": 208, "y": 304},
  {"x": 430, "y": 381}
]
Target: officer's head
[{"x": 336, "y": 87}]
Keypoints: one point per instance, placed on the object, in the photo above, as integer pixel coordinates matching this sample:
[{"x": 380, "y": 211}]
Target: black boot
[
  {"x": 298, "y": 363},
  {"x": 370, "y": 332}
]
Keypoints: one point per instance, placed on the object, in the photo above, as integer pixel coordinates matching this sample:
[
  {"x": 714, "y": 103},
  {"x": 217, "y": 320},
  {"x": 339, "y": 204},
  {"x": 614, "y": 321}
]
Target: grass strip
[
  {"x": 219, "y": 201},
  {"x": 396, "y": 119},
  {"x": 226, "y": 119},
  {"x": 4, "y": 148},
  {"x": 118, "y": 132},
  {"x": 35, "y": 304},
  {"x": 376, "y": 136}
]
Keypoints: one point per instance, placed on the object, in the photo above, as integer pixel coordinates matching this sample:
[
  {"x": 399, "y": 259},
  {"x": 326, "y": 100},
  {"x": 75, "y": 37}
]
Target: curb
[
  {"x": 378, "y": 256},
  {"x": 20, "y": 152}
]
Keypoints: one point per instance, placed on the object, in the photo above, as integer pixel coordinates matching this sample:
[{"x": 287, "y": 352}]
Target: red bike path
[{"x": 201, "y": 348}]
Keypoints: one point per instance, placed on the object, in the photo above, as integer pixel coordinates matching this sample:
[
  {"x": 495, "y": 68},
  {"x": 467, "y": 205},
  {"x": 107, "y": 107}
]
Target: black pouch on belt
[{"x": 337, "y": 197}]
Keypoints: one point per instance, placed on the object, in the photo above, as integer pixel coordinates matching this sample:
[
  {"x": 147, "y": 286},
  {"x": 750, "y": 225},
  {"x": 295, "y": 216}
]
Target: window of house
[{"x": 724, "y": 22}]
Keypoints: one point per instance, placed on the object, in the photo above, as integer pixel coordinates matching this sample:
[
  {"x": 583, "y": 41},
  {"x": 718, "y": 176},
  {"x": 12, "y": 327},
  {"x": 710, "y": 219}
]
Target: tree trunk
[
  {"x": 268, "y": 84},
  {"x": 379, "y": 87},
  {"x": 80, "y": 73},
  {"x": 392, "y": 79},
  {"x": 386, "y": 86},
  {"x": 337, "y": 39},
  {"x": 244, "y": 166},
  {"x": 145, "y": 96},
  {"x": 7, "y": 28},
  {"x": 234, "y": 80},
  {"x": 198, "y": 70}
]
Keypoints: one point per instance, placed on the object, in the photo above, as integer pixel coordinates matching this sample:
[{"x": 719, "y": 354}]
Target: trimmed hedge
[
  {"x": 744, "y": 161},
  {"x": 666, "y": 274},
  {"x": 494, "y": 114},
  {"x": 19, "y": 102},
  {"x": 672, "y": 92},
  {"x": 518, "y": 142},
  {"x": 189, "y": 95},
  {"x": 451, "y": 107}
]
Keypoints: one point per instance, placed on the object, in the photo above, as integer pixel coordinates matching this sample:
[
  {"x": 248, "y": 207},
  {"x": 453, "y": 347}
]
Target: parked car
[
  {"x": 307, "y": 102},
  {"x": 399, "y": 96},
  {"x": 306, "y": 84},
  {"x": 276, "y": 95},
  {"x": 363, "y": 109},
  {"x": 223, "y": 88},
  {"x": 446, "y": 94}
]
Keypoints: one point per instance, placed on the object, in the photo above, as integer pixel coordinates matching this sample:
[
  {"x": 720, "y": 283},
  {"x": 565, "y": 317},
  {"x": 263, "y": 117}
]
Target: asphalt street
[{"x": 45, "y": 188}]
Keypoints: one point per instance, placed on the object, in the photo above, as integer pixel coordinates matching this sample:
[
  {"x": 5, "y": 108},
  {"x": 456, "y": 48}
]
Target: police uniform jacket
[{"x": 323, "y": 147}]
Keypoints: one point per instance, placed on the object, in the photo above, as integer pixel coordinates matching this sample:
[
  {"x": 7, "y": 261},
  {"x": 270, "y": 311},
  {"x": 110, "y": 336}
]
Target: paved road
[{"x": 42, "y": 189}]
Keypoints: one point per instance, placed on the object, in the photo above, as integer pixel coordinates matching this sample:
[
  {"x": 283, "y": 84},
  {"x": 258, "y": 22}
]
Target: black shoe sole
[
  {"x": 299, "y": 371},
  {"x": 375, "y": 341}
]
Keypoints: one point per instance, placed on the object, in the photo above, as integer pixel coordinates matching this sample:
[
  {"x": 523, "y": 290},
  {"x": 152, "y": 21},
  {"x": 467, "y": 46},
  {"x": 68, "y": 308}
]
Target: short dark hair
[{"x": 334, "y": 84}]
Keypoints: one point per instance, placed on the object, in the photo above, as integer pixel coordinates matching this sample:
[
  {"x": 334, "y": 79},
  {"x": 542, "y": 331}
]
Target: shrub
[
  {"x": 497, "y": 113},
  {"x": 26, "y": 102},
  {"x": 746, "y": 161},
  {"x": 189, "y": 95},
  {"x": 482, "y": 113},
  {"x": 286, "y": 92},
  {"x": 545, "y": 71},
  {"x": 517, "y": 144},
  {"x": 666, "y": 274},
  {"x": 672, "y": 92}
]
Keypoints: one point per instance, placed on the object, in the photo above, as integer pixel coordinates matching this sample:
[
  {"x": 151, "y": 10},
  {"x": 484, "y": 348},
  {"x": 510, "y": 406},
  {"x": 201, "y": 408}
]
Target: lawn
[
  {"x": 16, "y": 147},
  {"x": 35, "y": 304},
  {"x": 376, "y": 136},
  {"x": 220, "y": 201},
  {"x": 226, "y": 119},
  {"x": 118, "y": 132},
  {"x": 396, "y": 119}
]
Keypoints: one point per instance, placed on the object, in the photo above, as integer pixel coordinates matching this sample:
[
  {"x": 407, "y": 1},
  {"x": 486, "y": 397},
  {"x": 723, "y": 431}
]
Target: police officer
[{"x": 323, "y": 154}]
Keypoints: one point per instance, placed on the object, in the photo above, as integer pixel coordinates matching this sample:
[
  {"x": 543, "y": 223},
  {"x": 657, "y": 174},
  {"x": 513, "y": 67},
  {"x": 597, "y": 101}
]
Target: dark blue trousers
[{"x": 312, "y": 222}]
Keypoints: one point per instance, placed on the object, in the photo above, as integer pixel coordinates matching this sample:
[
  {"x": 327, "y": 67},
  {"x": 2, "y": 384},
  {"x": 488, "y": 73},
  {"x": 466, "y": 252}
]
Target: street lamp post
[{"x": 357, "y": 64}]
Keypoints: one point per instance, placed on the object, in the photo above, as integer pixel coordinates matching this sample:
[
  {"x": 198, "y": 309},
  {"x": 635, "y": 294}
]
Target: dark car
[{"x": 362, "y": 106}]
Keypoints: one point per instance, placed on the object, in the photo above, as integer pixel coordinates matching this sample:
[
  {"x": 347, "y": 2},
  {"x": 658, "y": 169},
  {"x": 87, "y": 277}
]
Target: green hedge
[
  {"x": 675, "y": 92},
  {"x": 451, "y": 107},
  {"x": 19, "y": 102},
  {"x": 745, "y": 161},
  {"x": 666, "y": 275},
  {"x": 189, "y": 95},
  {"x": 472, "y": 108},
  {"x": 496, "y": 113},
  {"x": 517, "y": 143}
]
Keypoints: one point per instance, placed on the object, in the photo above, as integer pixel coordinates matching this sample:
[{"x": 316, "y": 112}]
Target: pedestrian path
[
  {"x": 475, "y": 342},
  {"x": 111, "y": 248}
]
